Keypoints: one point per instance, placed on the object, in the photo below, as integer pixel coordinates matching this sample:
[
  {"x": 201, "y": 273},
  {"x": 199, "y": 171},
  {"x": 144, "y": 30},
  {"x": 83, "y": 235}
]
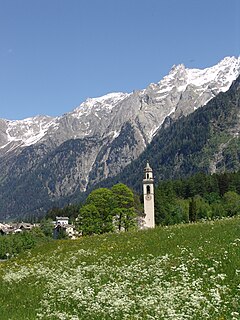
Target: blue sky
[{"x": 56, "y": 53}]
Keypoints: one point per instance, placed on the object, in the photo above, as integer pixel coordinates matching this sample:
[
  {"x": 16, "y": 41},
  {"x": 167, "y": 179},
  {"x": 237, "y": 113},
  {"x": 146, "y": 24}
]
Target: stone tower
[{"x": 148, "y": 198}]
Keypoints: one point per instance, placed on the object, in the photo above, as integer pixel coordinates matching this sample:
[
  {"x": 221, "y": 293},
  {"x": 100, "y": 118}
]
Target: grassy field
[{"x": 187, "y": 271}]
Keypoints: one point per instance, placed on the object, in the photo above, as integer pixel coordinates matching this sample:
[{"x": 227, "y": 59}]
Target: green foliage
[
  {"x": 61, "y": 234},
  {"x": 47, "y": 227},
  {"x": 13, "y": 244},
  {"x": 231, "y": 202},
  {"x": 70, "y": 211},
  {"x": 200, "y": 196},
  {"x": 203, "y": 209},
  {"x": 108, "y": 209},
  {"x": 165, "y": 200},
  {"x": 199, "y": 208},
  {"x": 182, "y": 210},
  {"x": 192, "y": 210},
  {"x": 124, "y": 211},
  {"x": 103, "y": 200},
  {"x": 218, "y": 210},
  {"x": 89, "y": 220}
]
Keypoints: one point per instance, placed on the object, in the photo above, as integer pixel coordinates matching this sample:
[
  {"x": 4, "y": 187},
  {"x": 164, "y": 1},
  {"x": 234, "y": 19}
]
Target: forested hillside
[
  {"x": 204, "y": 141},
  {"x": 199, "y": 197}
]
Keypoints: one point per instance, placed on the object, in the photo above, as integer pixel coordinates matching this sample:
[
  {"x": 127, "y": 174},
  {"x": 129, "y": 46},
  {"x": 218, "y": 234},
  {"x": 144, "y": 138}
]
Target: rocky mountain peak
[
  {"x": 106, "y": 102},
  {"x": 177, "y": 68}
]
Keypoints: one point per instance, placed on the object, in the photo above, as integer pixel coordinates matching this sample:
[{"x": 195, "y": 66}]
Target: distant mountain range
[{"x": 46, "y": 161}]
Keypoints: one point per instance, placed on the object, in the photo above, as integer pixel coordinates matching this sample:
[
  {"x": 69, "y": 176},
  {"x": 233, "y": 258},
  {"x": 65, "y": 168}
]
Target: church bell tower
[{"x": 148, "y": 198}]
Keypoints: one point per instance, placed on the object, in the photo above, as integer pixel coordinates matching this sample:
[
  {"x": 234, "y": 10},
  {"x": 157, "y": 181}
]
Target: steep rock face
[
  {"x": 67, "y": 154},
  {"x": 59, "y": 173},
  {"x": 68, "y": 167},
  {"x": 113, "y": 157}
]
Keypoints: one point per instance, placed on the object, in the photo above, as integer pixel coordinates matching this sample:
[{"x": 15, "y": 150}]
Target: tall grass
[{"x": 179, "y": 272}]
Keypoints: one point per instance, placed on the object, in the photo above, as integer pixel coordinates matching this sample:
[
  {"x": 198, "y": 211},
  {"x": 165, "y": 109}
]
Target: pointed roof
[{"x": 147, "y": 168}]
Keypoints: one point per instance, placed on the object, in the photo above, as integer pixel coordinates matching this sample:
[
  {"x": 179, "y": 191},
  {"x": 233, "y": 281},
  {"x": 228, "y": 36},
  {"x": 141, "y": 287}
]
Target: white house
[{"x": 62, "y": 220}]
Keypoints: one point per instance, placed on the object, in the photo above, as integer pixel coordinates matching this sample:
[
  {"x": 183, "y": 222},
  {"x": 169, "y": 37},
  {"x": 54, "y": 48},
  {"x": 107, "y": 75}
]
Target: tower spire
[{"x": 148, "y": 197}]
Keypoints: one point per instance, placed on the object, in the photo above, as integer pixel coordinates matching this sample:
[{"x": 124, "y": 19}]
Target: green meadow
[{"x": 187, "y": 271}]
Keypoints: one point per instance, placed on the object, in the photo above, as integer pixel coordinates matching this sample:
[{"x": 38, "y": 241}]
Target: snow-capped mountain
[
  {"x": 110, "y": 111},
  {"x": 102, "y": 135},
  {"x": 23, "y": 133}
]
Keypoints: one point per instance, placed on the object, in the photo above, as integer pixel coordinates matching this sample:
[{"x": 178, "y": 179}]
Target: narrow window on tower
[
  {"x": 148, "y": 189},
  {"x": 147, "y": 175}
]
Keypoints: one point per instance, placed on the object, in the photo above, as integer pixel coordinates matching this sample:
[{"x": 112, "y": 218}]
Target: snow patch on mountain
[
  {"x": 224, "y": 73},
  {"x": 30, "y": 130},
  {"x": 106, "y": 103},
  {"x": 184, "y": 90},
  {"x": 114, "y": 134}
]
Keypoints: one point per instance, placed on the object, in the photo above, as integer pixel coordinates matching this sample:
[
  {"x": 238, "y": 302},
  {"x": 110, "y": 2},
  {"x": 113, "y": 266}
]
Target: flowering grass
[{"x": 180, "y": 272}]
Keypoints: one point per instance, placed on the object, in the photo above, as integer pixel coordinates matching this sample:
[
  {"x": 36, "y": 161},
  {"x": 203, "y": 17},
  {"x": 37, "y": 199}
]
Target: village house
[
  {"x": 8, "y": 228},
  {"x": 62, "y": 225}
]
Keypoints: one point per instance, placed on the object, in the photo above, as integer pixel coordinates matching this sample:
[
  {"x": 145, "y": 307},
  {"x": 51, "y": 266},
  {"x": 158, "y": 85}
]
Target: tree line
[{"x": 202, "y": 196}]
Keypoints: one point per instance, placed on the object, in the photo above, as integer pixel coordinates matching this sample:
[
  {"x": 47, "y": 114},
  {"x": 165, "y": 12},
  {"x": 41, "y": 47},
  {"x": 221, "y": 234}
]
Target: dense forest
[{"x": 201, "y": 196}]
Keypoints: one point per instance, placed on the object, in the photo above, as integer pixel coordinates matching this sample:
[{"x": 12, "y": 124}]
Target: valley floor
[{"x": 189, "y": 271}]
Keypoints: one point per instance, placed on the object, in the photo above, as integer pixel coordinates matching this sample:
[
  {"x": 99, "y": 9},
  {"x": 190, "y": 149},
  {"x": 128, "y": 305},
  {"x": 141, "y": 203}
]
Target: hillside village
[{"x": 61, "y": 224}]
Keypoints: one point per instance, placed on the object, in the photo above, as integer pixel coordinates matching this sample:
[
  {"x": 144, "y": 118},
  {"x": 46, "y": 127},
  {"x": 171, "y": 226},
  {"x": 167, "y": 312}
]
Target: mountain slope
[
  {"x": 45, "y": 160},
  {"x": 206, "y": 140}
]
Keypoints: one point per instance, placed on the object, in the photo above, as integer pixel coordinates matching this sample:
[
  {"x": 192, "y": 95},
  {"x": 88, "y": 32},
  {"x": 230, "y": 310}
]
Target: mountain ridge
[
  {"x": 99, "y": 138},
  {"x": 185, "y": 77}
]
